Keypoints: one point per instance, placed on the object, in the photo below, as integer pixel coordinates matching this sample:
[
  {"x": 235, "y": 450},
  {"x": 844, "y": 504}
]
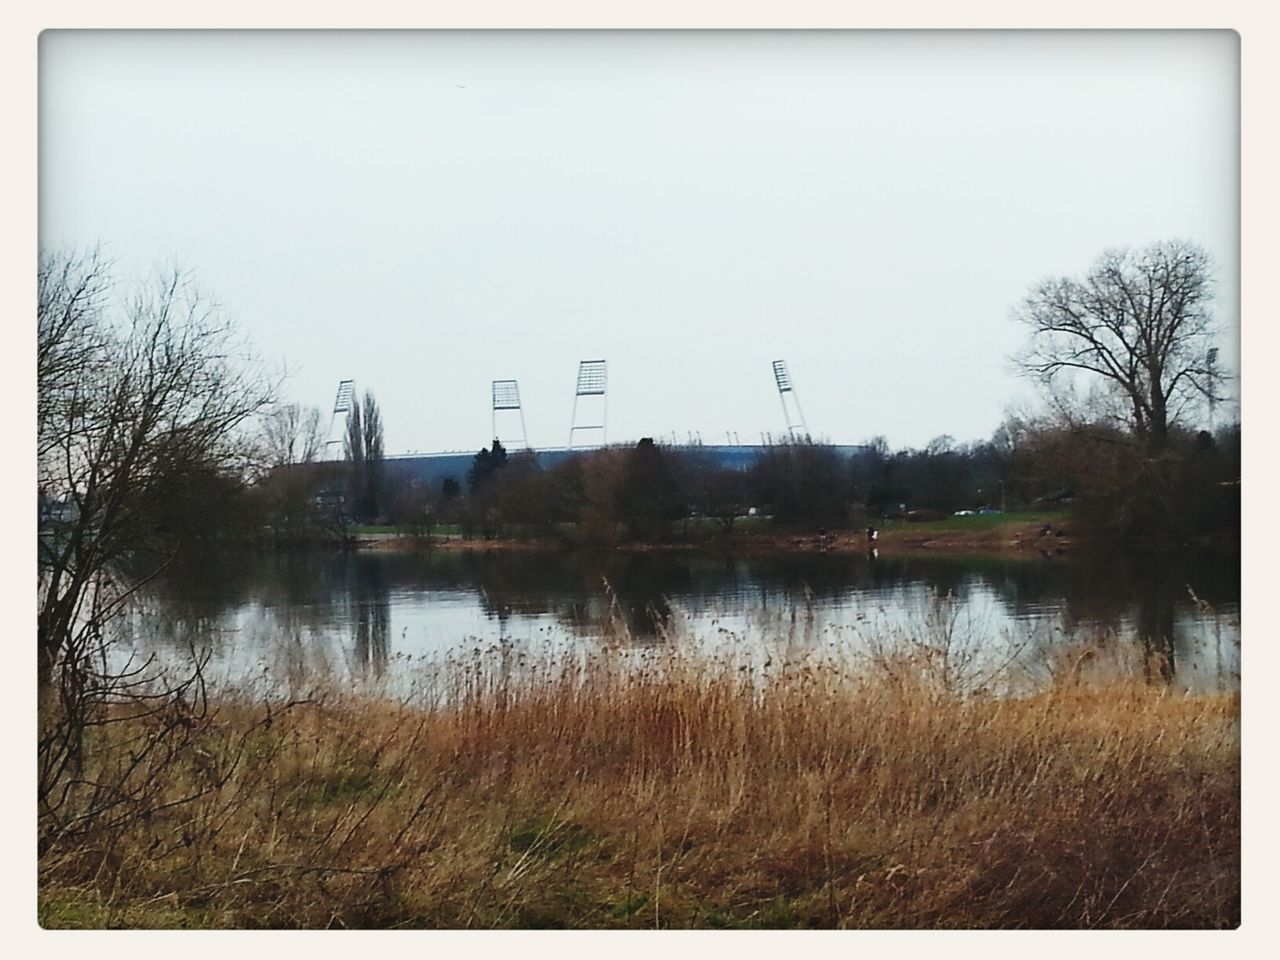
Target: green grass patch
[
  {"x": 346, "y": 786},
  {"x": 57, "y": 913},
  {"x": 780, "y": 913},
  {"x": 549, "y": 839},
  {"x": 568, "y": 905},
  {"x": 437, "y": 529},
  {"x": 979, "y": 522},
  {"x": 630, "y": 905},
  {"x": 81, "y": 913}
]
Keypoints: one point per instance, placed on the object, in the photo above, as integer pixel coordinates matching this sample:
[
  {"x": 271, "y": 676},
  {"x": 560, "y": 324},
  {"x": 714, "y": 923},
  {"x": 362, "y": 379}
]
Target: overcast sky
[{"x": 425, "y": 212}]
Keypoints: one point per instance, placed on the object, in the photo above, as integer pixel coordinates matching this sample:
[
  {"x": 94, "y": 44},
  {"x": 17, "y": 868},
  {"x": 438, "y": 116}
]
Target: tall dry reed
[{"x": 655, "y": 787}]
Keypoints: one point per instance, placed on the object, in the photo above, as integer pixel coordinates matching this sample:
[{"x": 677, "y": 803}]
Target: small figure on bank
[
  {"x": 872, "y": 534},
  {"x": 1046, "y": 530}
]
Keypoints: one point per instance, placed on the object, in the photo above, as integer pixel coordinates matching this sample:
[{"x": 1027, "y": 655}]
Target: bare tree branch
[
  {"x": 137, "y": 400},
  {"x": 1138, "y": 320}
]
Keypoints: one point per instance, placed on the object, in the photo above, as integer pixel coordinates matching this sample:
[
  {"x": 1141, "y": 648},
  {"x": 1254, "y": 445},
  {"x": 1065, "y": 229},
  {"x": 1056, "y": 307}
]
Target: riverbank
[
  {"x": 651, "y": 789},
  {"x": 1022, "y": 533}
]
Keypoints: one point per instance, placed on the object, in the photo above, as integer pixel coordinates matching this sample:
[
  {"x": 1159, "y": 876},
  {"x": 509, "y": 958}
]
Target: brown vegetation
[{"x": 643, "y": 788}]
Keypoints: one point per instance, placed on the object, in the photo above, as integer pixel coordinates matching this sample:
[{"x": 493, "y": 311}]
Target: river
[{"x": 370, "y": 616}]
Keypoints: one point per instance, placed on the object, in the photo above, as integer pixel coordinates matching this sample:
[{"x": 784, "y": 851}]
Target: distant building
[{"x": 434, "y": 468}]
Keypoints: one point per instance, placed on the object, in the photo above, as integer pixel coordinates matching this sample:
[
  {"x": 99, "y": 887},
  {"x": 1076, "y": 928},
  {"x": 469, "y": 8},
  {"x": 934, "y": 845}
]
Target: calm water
[{"x": 373, "y": 615}]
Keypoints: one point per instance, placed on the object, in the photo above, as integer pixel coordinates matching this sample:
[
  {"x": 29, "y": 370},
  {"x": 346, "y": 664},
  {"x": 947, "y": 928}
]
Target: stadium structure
[
  {"x": 588, "y": 421},
  {"x": 435, "y": 468}
]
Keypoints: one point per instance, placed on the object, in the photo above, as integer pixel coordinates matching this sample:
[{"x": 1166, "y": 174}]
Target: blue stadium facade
[{"x": 435, "y": 468}]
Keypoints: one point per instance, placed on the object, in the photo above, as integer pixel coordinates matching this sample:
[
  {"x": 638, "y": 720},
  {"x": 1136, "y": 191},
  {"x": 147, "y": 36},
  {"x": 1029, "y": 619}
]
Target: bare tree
[
  {"x": 291, "y": 444},
  {"x": 291, "y": 435},
  {"x": 722, "y": 493},
  {"x": 1139, "y": 322},
  {"x": 137, "y": 403},
  {"x": 69, "y": 294},
  {"x": 135, "y": 400}
]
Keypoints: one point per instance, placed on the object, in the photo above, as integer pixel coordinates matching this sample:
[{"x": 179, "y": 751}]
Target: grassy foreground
[{"x": 673, "y": 792}]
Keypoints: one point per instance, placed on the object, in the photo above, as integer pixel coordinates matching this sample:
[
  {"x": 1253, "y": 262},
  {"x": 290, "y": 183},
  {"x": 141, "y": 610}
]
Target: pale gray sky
[{"x": 425, "y": 212}]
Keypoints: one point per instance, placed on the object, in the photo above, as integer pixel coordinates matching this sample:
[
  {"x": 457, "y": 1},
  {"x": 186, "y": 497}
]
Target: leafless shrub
[{"x": 139, "y": 399}]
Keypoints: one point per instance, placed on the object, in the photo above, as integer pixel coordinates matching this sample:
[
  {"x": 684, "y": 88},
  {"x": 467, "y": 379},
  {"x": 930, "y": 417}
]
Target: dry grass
[{"x": 662, "y": 789}]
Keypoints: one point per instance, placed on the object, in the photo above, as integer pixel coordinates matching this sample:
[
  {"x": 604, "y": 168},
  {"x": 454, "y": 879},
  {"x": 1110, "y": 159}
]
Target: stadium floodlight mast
[
  {"x": 592, "y": 382},
  {"x": 341, "y": 406},
  {"x": 506, "y": 396},
  {"x": 786, "y": 389}
]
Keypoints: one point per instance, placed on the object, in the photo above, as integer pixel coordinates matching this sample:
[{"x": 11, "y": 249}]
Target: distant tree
[
  {"x": 413, "y": 507},
  {"x": 722, "y": 494},
  {"x": 647, "y": 497},
  {"x": 485, "y": 464},
  {"x": 363, "y": 447},
  {"x": 291, "y": 435},
  {"x": 869, "y": 476},
  {"x": 480, "y": 511},
  {"x": 566, "y": 489},
  {"x": 802, "y": 482},
  {"x": 480, "y": 470},
  {"x": 519, "y": 494},
  {"x": 372, "y": 494},
  {"x": 353, "y": 448},
  {"x": 291, "y": 444},
  {"x": 1139, "y": 323},
  {"x": 941, "y": 476},
  {"x": 593, "y": 482},
  {"x": 1191, "y": 489},
  {"x": 450, "y": 488}
]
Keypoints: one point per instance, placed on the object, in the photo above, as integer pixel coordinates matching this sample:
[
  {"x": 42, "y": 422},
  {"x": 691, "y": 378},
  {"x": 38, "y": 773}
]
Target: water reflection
[
  {"x": 284, "y": 611},
  {"x": 370, "y": 601}
]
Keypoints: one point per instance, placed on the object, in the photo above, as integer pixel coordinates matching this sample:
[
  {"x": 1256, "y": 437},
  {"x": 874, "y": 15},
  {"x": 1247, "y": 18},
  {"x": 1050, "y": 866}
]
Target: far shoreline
[{"x": 1021, "y": 538}]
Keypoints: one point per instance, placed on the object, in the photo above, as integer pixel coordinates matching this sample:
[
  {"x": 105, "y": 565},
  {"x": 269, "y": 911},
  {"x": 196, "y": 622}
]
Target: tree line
[{"x": 650, "y": 492}]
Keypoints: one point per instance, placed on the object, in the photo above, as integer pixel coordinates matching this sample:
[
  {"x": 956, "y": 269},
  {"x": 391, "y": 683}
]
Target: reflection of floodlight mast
[
  {"x": 506, "y": 396},
  {"x": 341, "y": 405},
  {"x": 783, "y": 379},
  {"x": 592, "y": 379}
]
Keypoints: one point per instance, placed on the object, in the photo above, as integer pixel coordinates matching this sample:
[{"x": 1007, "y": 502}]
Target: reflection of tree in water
[
  {"x": 312, "y": 593},
  {"x": 371, "y": 620},
  {"x": 1157, "y": 586},
  {"x": 573, "y": 587},
  {"x": 1147, "y": 590},
  {"x": 515, "y": 584},
  {"x": 643, "y": 589},
  {"x": 188, "y": 594}
]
